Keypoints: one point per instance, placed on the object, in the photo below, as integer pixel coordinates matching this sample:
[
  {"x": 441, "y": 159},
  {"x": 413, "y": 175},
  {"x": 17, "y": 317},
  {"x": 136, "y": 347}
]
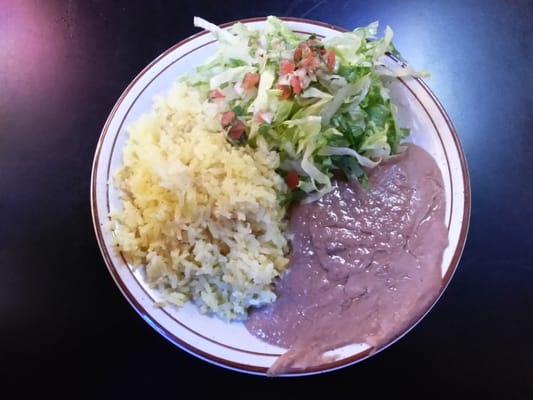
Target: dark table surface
[{"x": 64, "y": 326}]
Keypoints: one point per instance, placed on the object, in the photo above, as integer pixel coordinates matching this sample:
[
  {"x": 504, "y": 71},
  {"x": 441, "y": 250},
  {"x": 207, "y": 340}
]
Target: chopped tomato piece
[
  {"x": 227, "y": 118},
  {"x": 237, "y": 130},
  {"x": 216, "y": 94},
  {"x": 250, "y": 80},
  {"x": 313, "y": 42},
  {"x": 285, "y": 91},
  {"x": 310, "y": 62},
  {"x": 306, "y": 50},
  {"x": 286, "y": 67},
  {"x": 296, "y": 85},
  {"x": 292, "y": 180},
  {"x": 331, "y": 59},
  {"x": 297, "y": 56}
]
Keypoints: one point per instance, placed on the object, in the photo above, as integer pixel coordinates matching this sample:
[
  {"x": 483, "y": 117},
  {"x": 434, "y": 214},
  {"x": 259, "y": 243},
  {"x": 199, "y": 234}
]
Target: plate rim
[{"x": 254, "y": 369}]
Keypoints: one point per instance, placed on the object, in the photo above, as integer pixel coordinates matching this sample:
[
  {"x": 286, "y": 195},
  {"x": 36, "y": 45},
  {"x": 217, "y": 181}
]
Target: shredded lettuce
[
  {"x": 230, "y": 75},
  {"x": 323, "y": 105},
  {"x": 344, "y": 94},
  {"x": 346, "y": 151},
  {"x": 261, "y": 102}
]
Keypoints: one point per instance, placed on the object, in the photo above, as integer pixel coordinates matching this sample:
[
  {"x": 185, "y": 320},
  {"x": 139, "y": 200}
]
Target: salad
[{"x": 322, "y": 104}]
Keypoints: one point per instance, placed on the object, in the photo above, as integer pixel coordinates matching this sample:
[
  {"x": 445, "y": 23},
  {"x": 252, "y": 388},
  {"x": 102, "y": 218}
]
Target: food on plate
[
  {"x": 273, "y": 181},
  {"x": 322, "y": 104},
  {"x": 202, "y": 216},
  {"x": 365, "y": 263}
]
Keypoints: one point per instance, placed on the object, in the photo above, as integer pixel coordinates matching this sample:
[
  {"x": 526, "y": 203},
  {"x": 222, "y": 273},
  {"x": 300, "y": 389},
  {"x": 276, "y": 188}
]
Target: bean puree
[{"x": 364, "y": 263}]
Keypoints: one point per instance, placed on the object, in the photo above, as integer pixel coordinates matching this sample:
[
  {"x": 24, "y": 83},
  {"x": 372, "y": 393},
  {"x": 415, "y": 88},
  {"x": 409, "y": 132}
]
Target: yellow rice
[{"x": 200, "y": 215}]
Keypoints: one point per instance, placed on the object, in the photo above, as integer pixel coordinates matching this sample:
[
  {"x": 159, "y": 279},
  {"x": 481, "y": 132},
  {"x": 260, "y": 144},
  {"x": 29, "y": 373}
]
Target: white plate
[{"x": 209, "y": 338}]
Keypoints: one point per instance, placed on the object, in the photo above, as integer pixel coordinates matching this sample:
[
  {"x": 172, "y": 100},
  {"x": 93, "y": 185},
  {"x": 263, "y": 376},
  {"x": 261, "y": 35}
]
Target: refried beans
[{"x": 364, "y": 265}]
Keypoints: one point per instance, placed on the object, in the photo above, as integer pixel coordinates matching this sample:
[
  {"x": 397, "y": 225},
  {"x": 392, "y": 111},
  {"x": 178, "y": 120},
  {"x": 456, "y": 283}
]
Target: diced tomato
[
  {"x": 296, "y": 85},
  {"x": 285, "y": 91},
  {"x": 216, "y": 94},
  {"x": 227, "y": 118},
  {"x": 286, "y": 67},
  {"x": 292, "y": 180},
  {"x": 313, "y": 42},
  {"x": 331, "y": 59},
  {"x": 306, "y": 50},
  {"x": 297, "y": 56},
  {"x": 237, "y": 130},
  {"x": 310, "y": 62},
  {"x": 250, "y": 80}
]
